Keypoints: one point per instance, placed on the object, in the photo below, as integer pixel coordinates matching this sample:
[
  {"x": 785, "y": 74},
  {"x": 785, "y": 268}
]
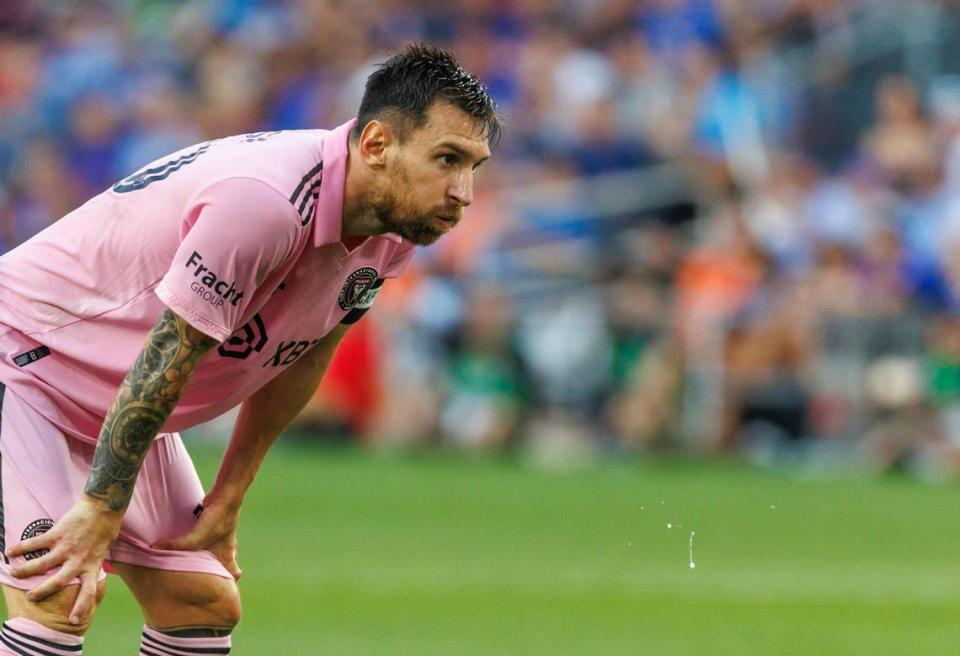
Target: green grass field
[{"x": 346, "y": 553}]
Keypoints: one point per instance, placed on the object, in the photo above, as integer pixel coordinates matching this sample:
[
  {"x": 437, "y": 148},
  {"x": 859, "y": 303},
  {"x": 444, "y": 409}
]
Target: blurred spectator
[
  {"x": 484, "y": 383},
  {"x": 42, "y": 190},
  {"x": 646, "y": 369},
  {"x": 767, "y": 353},
  {"x": 902, "y": 141}
]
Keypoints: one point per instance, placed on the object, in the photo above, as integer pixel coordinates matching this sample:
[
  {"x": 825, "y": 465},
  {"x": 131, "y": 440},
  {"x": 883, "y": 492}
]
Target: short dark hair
[{"x": 405, "y": 86}]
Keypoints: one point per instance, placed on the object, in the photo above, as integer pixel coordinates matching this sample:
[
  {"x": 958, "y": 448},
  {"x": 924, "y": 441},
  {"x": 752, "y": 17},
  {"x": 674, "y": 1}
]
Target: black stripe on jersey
[
  {"x": 314, "y": 188},
  {"x": 3, "y": 539},
  {"x": 353, "y": 316},
  {"x": 311, "y": 194},
  {"x": 157, "y": 644},
  {"x": 7, "y": 630},
  {"x": 303, "y": 183}
]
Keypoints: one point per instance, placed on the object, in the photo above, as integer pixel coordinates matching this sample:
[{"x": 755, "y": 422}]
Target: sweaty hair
[{"x": 404, "y": 87}]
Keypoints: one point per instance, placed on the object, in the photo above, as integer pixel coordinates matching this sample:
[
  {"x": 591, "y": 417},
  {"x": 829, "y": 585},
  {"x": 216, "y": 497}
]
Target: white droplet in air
[{"x": 693, "y": 565}]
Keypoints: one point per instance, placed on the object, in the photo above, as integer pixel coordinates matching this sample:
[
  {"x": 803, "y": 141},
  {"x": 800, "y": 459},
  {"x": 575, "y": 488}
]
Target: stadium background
[{"x": 709, "y": 281}]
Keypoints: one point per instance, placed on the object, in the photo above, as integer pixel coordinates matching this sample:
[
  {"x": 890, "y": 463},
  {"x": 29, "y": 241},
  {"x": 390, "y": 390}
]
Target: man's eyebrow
[{"x": 461, "y": 151}]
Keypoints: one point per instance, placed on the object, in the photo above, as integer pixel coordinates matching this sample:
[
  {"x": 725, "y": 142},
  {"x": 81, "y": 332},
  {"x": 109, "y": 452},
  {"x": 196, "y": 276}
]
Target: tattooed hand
[{"x": 78, "y": 542}]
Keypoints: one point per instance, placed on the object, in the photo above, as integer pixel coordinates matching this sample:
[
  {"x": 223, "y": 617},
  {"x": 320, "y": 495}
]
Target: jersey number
[{"x": 145, "y": 178}]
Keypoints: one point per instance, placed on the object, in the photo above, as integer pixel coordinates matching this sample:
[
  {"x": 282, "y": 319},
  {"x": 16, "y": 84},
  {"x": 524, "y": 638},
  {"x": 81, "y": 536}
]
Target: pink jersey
[{"x": 239, "y": 236}]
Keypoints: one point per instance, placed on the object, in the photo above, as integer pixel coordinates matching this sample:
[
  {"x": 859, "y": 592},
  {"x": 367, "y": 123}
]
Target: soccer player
[{"x": 223, "y": 274}]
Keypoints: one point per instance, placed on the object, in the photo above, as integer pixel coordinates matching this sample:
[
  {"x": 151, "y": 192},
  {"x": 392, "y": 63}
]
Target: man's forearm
[
  {"x": 265, "y": 415},
  {"x": 146, "y": 398}
]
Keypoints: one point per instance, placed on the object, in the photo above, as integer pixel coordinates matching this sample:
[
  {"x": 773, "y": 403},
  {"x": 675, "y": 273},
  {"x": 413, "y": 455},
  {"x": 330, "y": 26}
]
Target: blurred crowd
[{"x": 711, "y": 225}]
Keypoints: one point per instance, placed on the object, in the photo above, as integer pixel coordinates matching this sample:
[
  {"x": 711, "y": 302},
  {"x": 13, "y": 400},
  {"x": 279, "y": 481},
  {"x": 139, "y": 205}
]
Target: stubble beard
[{"x": 413, "y": 228}]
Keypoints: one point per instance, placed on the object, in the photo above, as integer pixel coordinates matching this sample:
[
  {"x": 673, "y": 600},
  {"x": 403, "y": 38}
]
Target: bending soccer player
[{"x": 226, "y": 273}]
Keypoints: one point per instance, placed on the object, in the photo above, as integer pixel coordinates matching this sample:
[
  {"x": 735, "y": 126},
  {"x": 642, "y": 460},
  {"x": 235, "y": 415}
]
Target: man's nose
[{"x": 462, "y": 189}]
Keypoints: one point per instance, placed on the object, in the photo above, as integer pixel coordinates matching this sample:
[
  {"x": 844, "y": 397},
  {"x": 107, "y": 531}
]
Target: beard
[
  {"x": 395, "y": 212},
  {"x": 416, "y": 227}
]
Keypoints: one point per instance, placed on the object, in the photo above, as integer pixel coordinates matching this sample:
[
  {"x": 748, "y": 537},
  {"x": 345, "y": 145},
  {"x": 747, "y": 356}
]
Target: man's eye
[{"x": 449, "y": 160}]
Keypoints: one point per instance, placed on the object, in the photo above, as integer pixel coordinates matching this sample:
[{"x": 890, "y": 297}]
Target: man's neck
[{"x": 358, "y": 220}]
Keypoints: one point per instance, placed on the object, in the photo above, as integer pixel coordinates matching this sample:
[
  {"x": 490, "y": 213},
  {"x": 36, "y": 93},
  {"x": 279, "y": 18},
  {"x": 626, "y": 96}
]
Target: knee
[
  {"x": 209, "y": 601},
  {"x": 225, "y": 603},
  {"x": 53, "y": 612}
]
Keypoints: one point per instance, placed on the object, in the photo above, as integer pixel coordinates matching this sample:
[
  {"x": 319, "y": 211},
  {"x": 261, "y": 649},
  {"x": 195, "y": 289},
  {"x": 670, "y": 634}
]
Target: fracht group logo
[{"x": 209, "y": 286}]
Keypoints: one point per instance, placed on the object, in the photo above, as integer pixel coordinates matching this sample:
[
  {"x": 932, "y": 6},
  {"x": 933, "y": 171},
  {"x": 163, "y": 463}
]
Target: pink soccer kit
[{"x": 239, "y": 236}]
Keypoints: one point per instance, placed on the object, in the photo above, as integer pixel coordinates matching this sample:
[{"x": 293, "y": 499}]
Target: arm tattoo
[{"x": 146, "y": 398}]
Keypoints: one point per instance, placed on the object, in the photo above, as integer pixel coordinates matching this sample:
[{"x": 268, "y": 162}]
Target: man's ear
[{"x": 373, "y": 143}]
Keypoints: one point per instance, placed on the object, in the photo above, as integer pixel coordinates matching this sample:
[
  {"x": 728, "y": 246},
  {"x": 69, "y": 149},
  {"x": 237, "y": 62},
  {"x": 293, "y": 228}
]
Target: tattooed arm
[
  {"x": 79, "y": 540},
  {"x": 147, "y": 397}
]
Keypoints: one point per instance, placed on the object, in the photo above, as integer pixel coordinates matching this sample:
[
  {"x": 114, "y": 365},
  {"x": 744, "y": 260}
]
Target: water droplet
[{"x": 693, "y": 565}]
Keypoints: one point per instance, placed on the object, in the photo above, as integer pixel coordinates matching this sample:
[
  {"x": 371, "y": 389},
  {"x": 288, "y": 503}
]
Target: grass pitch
[{"x": 344, "y": 553}]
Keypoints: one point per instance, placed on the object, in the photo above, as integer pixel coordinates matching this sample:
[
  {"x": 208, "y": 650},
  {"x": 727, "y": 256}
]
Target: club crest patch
[
  {"x": 35, "y": 528},
  {"x": 359, "y": 290}
]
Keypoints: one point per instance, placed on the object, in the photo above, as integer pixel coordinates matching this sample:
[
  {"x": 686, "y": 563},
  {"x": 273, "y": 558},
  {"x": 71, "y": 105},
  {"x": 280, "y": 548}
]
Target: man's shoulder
[{"x": 286, "y": 160}]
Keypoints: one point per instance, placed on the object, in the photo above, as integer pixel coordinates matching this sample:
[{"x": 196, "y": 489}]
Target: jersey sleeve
[{"x": 236, "y": 233}]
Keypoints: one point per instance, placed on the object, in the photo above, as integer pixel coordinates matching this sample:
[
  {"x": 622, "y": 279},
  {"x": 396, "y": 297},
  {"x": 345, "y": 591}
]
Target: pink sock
[
  {"x": 22, "y": 636},
  {"x": 155, "y": 643}
]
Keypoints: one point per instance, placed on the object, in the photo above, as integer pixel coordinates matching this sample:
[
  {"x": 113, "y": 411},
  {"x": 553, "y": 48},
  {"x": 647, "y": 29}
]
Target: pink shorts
[{"x": 43, "y": 472}]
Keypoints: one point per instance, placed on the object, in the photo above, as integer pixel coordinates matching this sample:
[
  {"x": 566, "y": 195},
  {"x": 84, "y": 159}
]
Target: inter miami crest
[
  {"x": 35, "y": 528},
  {"x": 356, "y": 291}
]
